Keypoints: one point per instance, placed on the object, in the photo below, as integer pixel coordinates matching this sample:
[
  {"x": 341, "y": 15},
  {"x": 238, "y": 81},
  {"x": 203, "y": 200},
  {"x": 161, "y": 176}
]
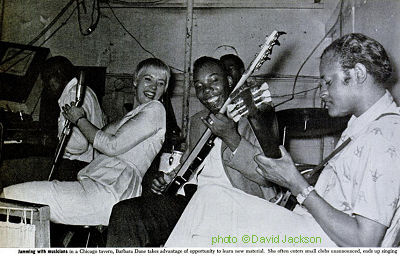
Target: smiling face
[
  {"x": 150, "y": 84},
  {"x": 340, "y": 98},
  {"x": 212, "y": 86}
]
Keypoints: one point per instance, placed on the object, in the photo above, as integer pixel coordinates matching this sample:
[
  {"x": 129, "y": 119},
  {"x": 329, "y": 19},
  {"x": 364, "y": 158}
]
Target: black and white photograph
[{"x": 199, "y": 127}]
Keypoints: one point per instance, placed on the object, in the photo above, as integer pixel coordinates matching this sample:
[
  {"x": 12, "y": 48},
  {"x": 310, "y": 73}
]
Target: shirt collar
[
  {"x": 358, "y": 124},
  {"x": 67, "y": 88}
]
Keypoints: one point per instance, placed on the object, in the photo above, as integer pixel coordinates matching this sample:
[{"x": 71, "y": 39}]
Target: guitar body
[
  {"x": 263, "y": 127},
  {"x": 179, "y": 181},
  {"x": 175, "y": 185}
]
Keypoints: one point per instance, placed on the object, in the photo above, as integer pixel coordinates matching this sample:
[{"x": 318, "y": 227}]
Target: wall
[
  {"x": 162, "y": 31},
  {"x": 377, "y": 19}
]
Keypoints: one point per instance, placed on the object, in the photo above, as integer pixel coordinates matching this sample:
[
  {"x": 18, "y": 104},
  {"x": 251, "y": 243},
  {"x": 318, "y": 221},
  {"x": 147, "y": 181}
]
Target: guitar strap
[
  {"x": 321, "y": 165},
  {"x": 338, "y": 149}
]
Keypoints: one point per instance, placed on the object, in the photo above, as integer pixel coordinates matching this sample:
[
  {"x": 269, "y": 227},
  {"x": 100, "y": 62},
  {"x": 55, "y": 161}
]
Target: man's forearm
[
  {"x": 242, "y": 161},
  {"x": 232, "y": 141},
  {"x": 341, "y": 228}
]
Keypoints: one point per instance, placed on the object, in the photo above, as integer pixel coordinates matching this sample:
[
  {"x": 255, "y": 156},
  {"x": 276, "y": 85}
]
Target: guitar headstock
[
  {"x": 249, "y": 101},
  {"x": 266, "y": 50},
  {"x": 262, "y": 56}
]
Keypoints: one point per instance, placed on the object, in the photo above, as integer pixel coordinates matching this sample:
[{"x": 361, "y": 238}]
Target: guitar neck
[{"x": 195, "y": 152}]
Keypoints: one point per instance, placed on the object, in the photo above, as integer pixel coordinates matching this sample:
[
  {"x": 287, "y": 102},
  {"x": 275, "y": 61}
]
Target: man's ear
[
  {"x": 360, "y": 73},
  {"x": 230, "y": 81}
]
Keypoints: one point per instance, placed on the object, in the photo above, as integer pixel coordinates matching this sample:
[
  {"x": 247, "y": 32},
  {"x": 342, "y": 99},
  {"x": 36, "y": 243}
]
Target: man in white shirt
[
  {"x": 148, "y": 220},
  {"x": 356, "y": 198},
  {"x": 59, "y": 77}
]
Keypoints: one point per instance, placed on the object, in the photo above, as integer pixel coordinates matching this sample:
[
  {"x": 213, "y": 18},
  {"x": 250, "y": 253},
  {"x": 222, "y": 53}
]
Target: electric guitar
[
  {"x": 66, "y": 132},
  {"x": 255, "y": 103},
  {"x": 206, "y": 142}
]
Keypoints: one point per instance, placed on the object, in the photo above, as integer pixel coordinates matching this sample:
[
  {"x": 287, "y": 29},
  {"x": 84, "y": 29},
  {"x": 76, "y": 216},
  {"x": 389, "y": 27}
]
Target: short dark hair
[
  {"x": 356, "y": 48},
  {"x": 204, "y": 60},
  {"x": 59, "y": 67},
  {"x": 238, "y": 61}
]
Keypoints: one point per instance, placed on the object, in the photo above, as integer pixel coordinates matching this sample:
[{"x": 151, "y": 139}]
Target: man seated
[
  {"x": 356, "y": 199},
  {"x": 59, "y": 78},
  {"x": 148, "y": 220}
]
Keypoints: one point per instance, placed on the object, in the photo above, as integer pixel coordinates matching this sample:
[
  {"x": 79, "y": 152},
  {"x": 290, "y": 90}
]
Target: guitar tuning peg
[
  {"x": 281, "y": 33},
  {"x": 277, "y": 42}
]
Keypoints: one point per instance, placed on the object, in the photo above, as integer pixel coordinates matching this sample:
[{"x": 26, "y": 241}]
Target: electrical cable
[
  {"x": 59, "y": 27},
  {"x": 93, "y": 24},
  {"x": 43, "y": 32},
  {"x": 47, "y": 39},
  {"x": 139, "y": 3},
  {"x": 134, "y": 38},
  {"x": 28, "y": 55},
  {"x": 127, "y": 31},
  {"x": 311, "y": 53},
  {"x": 300, "y": 92}
]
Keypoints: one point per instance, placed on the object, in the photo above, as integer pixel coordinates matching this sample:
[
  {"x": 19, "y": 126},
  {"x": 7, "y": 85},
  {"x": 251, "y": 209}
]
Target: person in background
[
  {"x": 127, "y": 147},
  {"x": 148, "y": 220},
  {"x": 234, "y": 66},
  {"x": 60, "y": 81},
  {"x": 355, "y": 201}
]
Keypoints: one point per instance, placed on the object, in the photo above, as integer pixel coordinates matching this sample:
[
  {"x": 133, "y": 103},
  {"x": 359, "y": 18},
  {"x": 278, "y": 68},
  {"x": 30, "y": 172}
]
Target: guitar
[
  {"x": 255, "y": 103},
  {"x": 206, "y": 142},
  {"x": 66, "y": 132}
]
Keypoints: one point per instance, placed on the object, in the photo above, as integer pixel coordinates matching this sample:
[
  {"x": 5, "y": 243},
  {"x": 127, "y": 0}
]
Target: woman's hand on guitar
[{"x": 281, "y": 171}]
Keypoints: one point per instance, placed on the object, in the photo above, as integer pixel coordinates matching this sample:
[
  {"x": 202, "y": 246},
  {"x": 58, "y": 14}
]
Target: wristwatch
[{"x": 304, "y": 194}]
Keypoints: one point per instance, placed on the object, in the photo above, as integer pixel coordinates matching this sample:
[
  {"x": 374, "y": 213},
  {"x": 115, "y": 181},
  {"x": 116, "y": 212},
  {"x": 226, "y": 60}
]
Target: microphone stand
[{"x": 68, "y": 125}]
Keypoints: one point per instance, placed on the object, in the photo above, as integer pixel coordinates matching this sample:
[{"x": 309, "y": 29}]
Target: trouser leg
[
  {"x": 144, "y": 221},
  {"x": 68, "y": 170}
]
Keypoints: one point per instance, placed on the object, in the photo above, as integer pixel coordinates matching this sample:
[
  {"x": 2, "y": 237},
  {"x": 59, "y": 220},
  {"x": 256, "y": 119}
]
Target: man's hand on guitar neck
[{"x": 224, "y": 128}]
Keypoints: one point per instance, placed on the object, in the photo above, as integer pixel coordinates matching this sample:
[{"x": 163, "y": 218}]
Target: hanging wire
[
  {"x": 30, "y": 54},
  {"x": 311, "y": 53},
  {"x": 93, "y": 23},
  {"x": 139, "y": 3},
  {"x": 127, "y": 31},
  {"x": 59, "y": 27},
  {"x": 300, "y": 92},
  {"x": 47, "y": 39},
  {"x": 134, "y": 38},
  {"x": 43, "y": 32}
]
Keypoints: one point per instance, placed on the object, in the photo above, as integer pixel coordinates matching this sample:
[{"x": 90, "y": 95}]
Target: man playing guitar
[{"x": 148, "y": 220}]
